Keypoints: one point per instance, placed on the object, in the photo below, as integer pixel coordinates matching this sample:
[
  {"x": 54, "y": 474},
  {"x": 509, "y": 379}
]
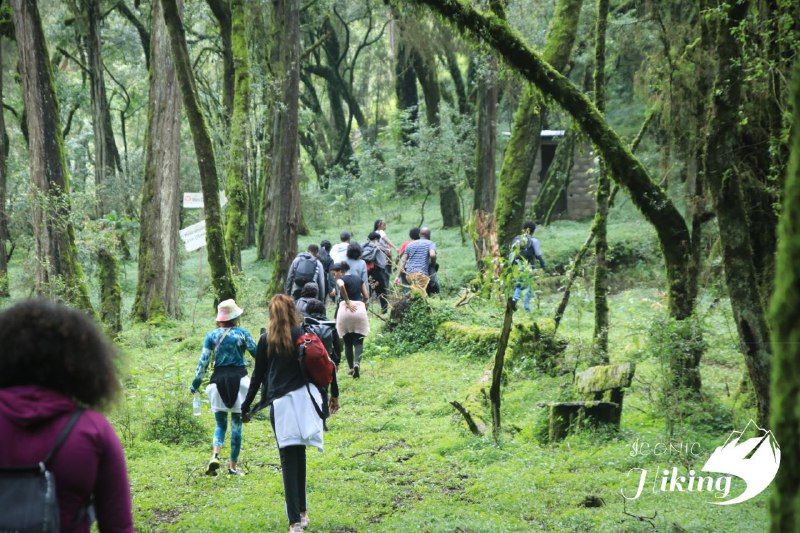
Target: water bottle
[{"x": 196, "y": 404}]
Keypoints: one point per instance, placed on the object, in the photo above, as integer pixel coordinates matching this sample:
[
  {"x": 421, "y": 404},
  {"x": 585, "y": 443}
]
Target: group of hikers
[{"x": 57, "y": 371}]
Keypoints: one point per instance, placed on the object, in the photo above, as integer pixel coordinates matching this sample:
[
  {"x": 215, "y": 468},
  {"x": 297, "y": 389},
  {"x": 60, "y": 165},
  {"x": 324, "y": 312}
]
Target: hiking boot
[
  {"x": 235, "y": 472},
  {"x": 356, "y": 372},
  {"x": 296, "y": 528},
  {"x": 304, "y": 521},
  {"x": 213, "y": 466}
]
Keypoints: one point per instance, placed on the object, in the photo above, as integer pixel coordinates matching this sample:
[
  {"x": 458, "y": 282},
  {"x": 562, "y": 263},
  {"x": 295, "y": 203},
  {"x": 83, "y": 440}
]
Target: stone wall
[{"x": 580, "y": 191}]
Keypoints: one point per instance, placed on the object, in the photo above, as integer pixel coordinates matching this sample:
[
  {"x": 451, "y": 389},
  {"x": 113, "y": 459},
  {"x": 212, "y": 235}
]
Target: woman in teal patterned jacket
[{"x": 229, "y": 382}]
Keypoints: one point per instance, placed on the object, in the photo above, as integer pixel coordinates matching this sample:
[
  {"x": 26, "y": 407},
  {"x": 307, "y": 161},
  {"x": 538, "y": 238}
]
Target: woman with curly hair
[{"x": 57, "y": 368}]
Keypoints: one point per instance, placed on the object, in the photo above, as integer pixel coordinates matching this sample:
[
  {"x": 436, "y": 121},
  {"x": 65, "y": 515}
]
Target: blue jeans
[
  {"x": 519, "y": 288},
  {"x": 236, "y": 432}
]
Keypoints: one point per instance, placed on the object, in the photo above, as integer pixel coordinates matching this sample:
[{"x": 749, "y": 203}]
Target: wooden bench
[{"x": 602, "y": 386}]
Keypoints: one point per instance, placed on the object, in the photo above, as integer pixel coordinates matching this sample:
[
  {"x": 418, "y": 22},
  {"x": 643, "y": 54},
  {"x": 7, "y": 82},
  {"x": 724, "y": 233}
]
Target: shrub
[{"x": 175, "y": 424}]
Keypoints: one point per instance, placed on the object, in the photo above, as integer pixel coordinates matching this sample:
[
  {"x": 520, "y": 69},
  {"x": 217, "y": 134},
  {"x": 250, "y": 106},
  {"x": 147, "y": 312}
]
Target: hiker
[
  {"x": 377, "y": 268},
  {"x": 293, "y": 416},
  {"x": 305, "y": 268},
  {"x": 310, "y": 291},
  {"x": 53, "y": 360},
  {"x": 358, "y": 267},
  {"x": 326, "y": 261},
  {"x": 339, "y": 251},
  {"x": 413, "y": 235},
  {"x": 525, "y": 249},
  {"x": 385, "y": 243},
  {"x": 229, "y": 382},
  {"x": 415, "y": 263},
  {"x": 317, "y": 322},
  {"x": 433, "y": 284},
  {"x": 352, "y": 321}
]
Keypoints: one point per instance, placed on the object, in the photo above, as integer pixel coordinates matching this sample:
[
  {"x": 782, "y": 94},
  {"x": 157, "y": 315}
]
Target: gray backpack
[{"x": 28, "y": 493}]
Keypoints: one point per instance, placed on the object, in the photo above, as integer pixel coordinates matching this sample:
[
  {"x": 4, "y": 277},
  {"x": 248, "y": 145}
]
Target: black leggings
[
  {"x": 293, "y": 468},
  {"x": 353, "y": 342}
]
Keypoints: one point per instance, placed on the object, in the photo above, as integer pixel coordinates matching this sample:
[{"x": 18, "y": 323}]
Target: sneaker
[
  {"x": 350, "y": 372},
  {"x": 296, "y": 528},
  {"x": 304, "y": 521},
  {"x": 213, "y": 466},
  {"x": 235, "y": 472},
  {"x": 356, "y": 372}
]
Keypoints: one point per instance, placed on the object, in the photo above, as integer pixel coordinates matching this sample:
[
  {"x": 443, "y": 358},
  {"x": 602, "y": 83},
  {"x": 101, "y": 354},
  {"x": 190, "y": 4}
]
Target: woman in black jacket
[{"x": 292, "y": 411}]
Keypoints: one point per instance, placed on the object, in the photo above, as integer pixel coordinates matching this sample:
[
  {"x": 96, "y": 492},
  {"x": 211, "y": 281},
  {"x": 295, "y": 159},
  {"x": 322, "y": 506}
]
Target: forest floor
[{"x": 397, "y": 456}]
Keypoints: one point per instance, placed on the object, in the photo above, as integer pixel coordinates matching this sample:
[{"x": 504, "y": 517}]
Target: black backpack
[
  {"x": 306, "y": 270},
  {"x": 28, "y": 493}
]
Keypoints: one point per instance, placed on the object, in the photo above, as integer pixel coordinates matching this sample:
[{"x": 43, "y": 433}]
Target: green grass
[{"x": 398, "y": 457}]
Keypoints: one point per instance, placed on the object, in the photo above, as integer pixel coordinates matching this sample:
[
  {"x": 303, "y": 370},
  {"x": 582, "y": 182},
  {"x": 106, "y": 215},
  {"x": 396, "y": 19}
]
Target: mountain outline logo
[{"x": 755, "y": 460}]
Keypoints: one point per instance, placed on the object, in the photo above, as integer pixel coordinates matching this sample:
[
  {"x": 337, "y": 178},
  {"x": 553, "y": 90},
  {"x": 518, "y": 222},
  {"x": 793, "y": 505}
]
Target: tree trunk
[
  {"x": 236, "y": 169},
  {"x": 221, "y": 276},
  {"x": 785, "y": 322},
  {"x": 4, "y": 236},
  {"x": 157, "y": 286},
  {"x": 222, "y": 12},
  {"x": 405, "y": 87},
  {"x": 58, "y": 273},
  {"x": 725, "y": 187},
  {"x": 106, "y": 155},
  {"x": 600, "y": 336},
  {"x": 281, "y": 195},
  {"x": 523, "y": 146},
  {"x": 499, "y": 362},
  {"x": 485, "y": 188},
  {"x": 333, "y": 84},
  {"x": 110, "y": 292}
]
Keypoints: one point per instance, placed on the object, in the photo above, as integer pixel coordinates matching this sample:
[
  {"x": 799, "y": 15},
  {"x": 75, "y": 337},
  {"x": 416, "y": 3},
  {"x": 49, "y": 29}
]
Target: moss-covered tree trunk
[
  {"x": 334, "y": 87},
  {"x": 485, "y": 189},
  {"x": 106, "y": 155},
  {"x": 523, "y": 146},
  {"x": 4, "y": 236},
  {"x": 281, "y": 200},
  {"x": 221, "y": 276},
  {"x": 235, "y": 187},
  {"x": 729, "y": 203},
  {"x": 600, "y": 336},
  {"x": 58, "y": 273},
  {"x": 405, "y": 89},
  {"x": 222, "y": 12},
  {"x": 110, "y": 291},
  {"x": 157, "y": 284},
  {"x": 499, "y": 363},
  {"x": 785, "y": 337}
]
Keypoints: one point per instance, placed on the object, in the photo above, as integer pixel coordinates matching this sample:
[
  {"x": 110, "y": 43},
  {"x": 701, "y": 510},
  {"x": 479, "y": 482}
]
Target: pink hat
[{"x": 228, "y": 310}]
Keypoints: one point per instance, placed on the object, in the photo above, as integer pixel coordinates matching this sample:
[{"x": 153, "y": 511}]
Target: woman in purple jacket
[{"x": 54, "y": 359}]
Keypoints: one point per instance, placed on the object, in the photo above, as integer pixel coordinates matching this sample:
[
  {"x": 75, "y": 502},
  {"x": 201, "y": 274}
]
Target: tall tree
[
  {"x": 58, "y": 273},
  {"x": 405, "y": 88},
  {"x": 281, "y": 192},
  {"x": 157, "y": 286},
  {"x": 221, "y": 276},
  {"x": 523, "y": 146},
  {"x": 235, "y": 187},
  {"x": 722, "y": 142},
  {"x": 785, "y": 337},
  {"x": 222, "y": 12},
  {"x": 600, "y": 347},
  {"x": 485, "y": 189},
  {"x": 4, "y": 237}
]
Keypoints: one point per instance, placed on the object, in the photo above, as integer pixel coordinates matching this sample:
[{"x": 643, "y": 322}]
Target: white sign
[
  {"x": 194, "y": 200},
  {"x": 194, "y": 236}
]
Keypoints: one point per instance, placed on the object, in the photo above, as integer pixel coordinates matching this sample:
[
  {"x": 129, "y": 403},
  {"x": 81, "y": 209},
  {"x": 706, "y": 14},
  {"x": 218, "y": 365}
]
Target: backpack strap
[{"x": 64, "y": 434}]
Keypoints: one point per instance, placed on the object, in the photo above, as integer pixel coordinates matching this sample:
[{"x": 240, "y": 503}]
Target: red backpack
[{"x": 315, "y": 360}]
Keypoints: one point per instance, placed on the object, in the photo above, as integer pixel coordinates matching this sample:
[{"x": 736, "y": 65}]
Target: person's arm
[
  {"x": 364, "y": 273},
  {"x": 364, "y": 294},
  {"x": 112, "y": 492},
  {"x": 401, "y": 267},
  {"x": 257, "y": 377},
  {"x": 202, "y": 365},
  {"x": 319, "y": 279},
  {"x": 250, "y": 343},
  {"x": 537, "y": 251}
]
